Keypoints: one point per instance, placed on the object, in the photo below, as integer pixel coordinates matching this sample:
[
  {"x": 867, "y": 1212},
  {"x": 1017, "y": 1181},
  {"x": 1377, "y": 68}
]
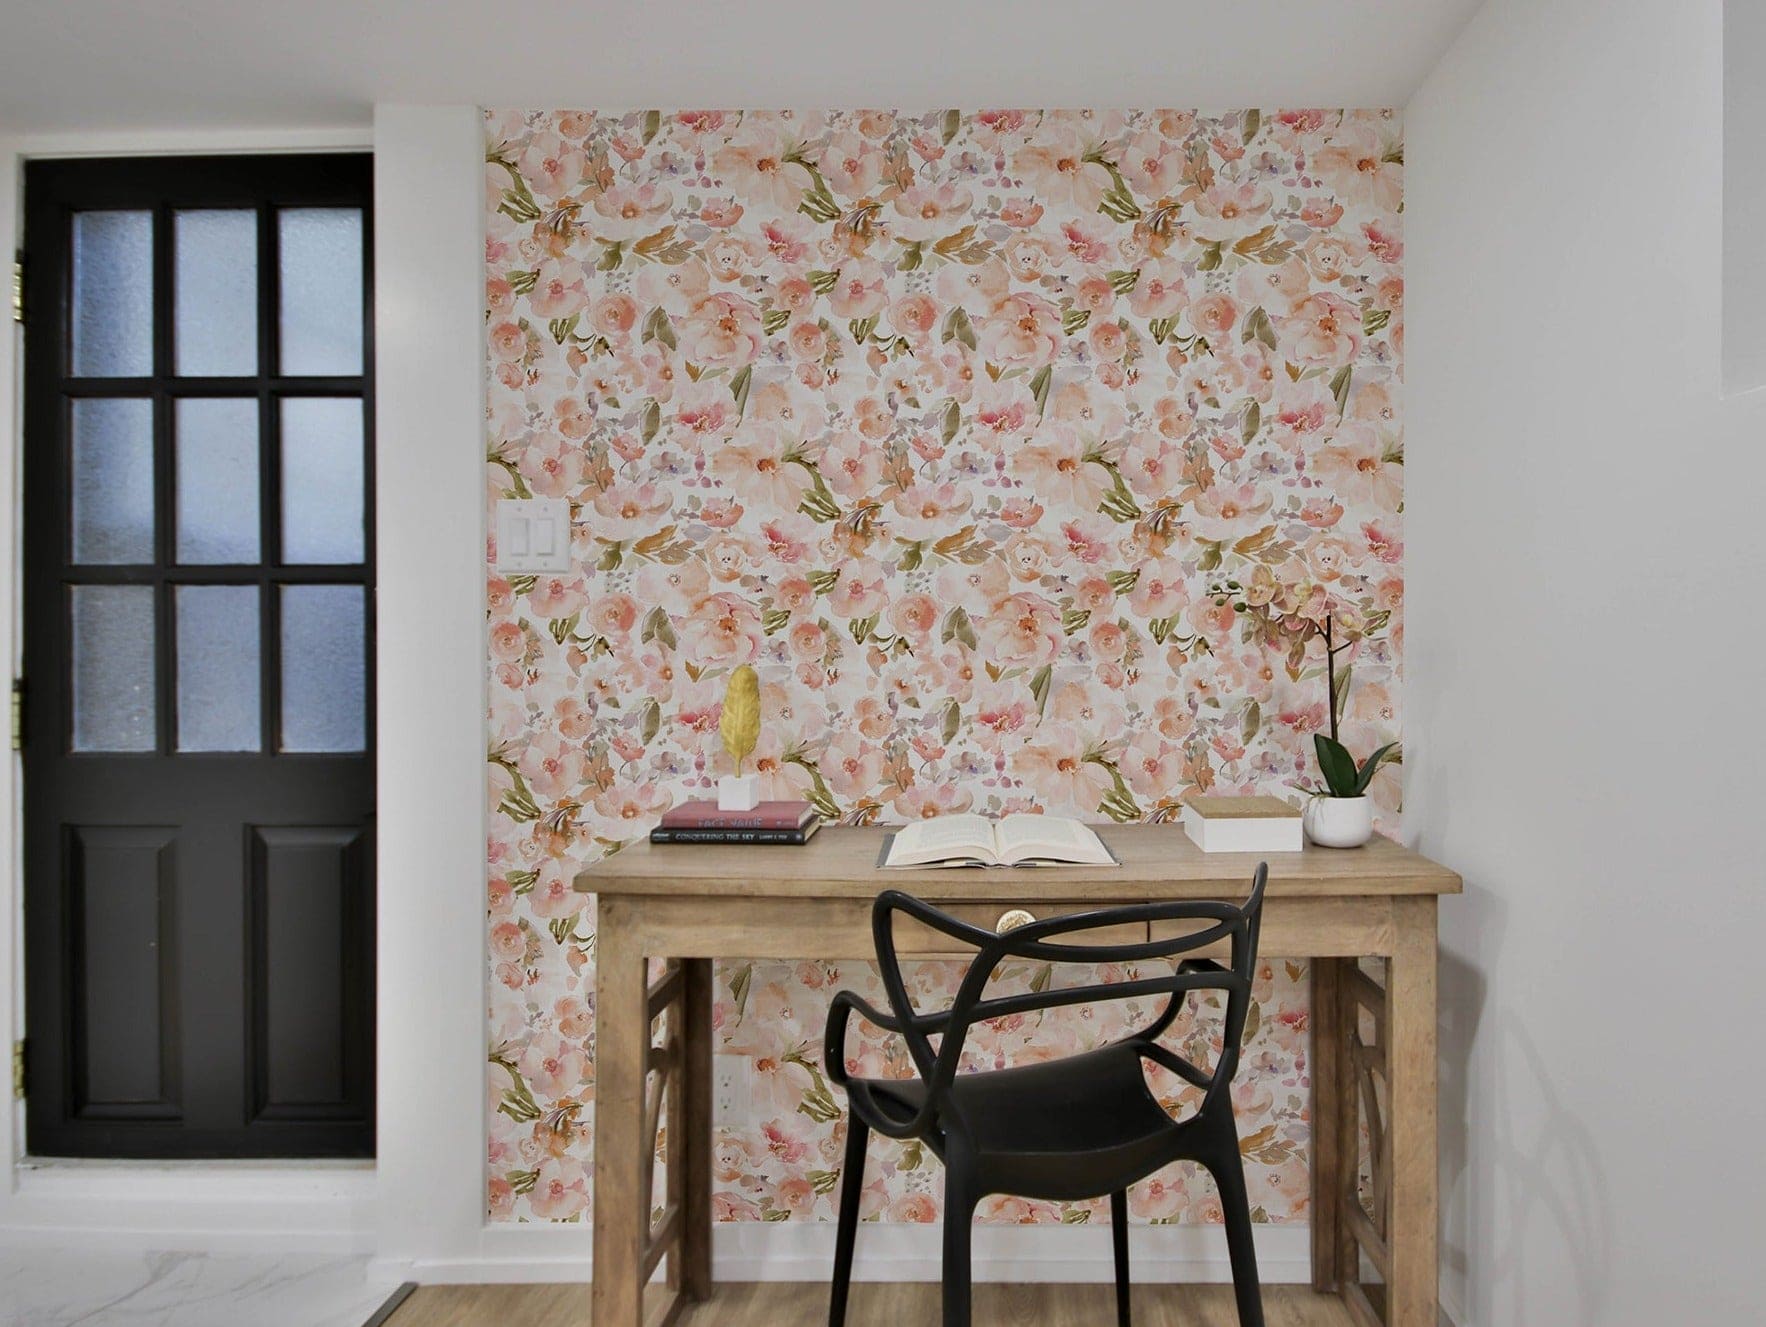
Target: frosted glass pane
[
  {"x": 217, "y": 480},
  {"x": 216, "y": 312},
  {"x": 113, "y": 667},
  {"x": 322, "y": 479},
  {"x": 113, "y": 480},
  {"x": 113, "y": 294},
  {"x": 321, "y": 256},
  {"x": 324, "y": 668},
  {"x": 218, "y": 680}
]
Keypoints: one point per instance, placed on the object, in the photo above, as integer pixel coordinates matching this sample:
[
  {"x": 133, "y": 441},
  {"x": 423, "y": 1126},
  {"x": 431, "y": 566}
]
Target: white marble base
[{"x": 69, "y": 1288}]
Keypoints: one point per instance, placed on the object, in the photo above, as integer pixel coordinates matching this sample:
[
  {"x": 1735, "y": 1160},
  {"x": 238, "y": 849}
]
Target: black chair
[{"x": 1069, "y": 1129}]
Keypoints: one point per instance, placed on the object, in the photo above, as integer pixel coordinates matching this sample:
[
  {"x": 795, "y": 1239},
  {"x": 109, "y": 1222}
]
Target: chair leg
[
  {"x": 1119, "y": 1237},
  {"x": 959, "y": 1216},
  {"x": 1228, "y": 1171},
  {"x": 852, "y": 1183}
]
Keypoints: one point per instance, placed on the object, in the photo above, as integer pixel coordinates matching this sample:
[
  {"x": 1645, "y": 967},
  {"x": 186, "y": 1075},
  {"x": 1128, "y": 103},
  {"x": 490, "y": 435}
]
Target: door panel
[
  {"x": 122, "y": 918},
  {"x": 309, "y": 895},
  {"x": 199, "y": 772}
]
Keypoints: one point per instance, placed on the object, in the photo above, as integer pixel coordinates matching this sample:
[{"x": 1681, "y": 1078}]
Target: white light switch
[{"x": 533, "y": 534}]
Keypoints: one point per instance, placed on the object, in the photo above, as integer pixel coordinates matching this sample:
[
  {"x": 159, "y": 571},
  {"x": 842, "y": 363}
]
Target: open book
[{"x": 1020, "y": 840}]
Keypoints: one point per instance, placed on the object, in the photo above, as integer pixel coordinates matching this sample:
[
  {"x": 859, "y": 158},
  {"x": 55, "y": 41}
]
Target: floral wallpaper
[{"x": 1022, "y": 453}]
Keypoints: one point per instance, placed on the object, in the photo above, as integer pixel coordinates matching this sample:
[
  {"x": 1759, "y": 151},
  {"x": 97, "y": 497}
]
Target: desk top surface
[{"x": 1158, "y": 862}]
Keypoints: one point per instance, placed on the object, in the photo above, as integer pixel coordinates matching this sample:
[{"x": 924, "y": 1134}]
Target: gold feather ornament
[{"x": 740, "y": 725}]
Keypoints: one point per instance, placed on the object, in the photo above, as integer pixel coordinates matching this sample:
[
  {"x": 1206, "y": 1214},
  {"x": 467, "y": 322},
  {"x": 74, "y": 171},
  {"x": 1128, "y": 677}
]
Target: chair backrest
[{"x": 1056, "y": 940}]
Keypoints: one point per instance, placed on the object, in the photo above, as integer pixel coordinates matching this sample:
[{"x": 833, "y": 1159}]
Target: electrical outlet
[{"x": 731, "y": 1085}]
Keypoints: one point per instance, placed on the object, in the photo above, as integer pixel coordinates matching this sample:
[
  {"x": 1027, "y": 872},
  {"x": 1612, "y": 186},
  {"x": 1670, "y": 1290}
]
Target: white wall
[
  {"x": 1744, "y": 195},
  {"x": 1585, "y": 625},
  {"x": 429, "y": 546}
]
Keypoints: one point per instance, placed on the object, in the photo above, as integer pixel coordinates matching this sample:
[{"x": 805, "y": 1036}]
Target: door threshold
[
  {"x": 197, "y": 1165},
  {"x": 247, "y": 1206}
]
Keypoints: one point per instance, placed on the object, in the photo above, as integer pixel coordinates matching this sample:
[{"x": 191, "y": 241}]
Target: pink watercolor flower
[
  {"x": 851, "y": 467},
  {"x": 915, "y": 317},
  {"x": 561, "y": 1191},
  {"x": 1160, "y": 589},
  {"x": 1054, "y": 167},
  {"x": 850, "y": 165},
  {"x": 1023, "y": 630},
  {"x": 626, "y": 211},
  {"x": 1109, "y": 341},
  {"x": 858, "y": 291},
  {"x": 1361, "y": 167},
  {"x": 722, "y": 628},
  {"x": 556, "y": 596},
  {"x": 1230, "y": 511},
  {"x": 551, "y": 167},
  {"x": 1053, "y": 765},
  {"x": 1230, "y": 211},
  {"x": 1214, "y": 315},
  {"x": 553, "y": 1067},
  {"x": 552, "y": 766},
  {"x": 786, "y": 240},
  {"x": 807, "y": 340},
  {"x": 757, "y": 170},
  {"x": 674, "y": 288},
  {"x": 628, "y": 510},
  {"x": 860, "y": 592},
  {"x": 722, "y": 331},
  {"x": 1160, "y": 291},
  {"x": 1054, "y": 468},
  {"x": 940, "y": 799},
  {"x": 1360, "y": 470},
  {"x": 720, "y": 214},
  {"x": 1151, "y": 165},
  {"x": 558, "y": 291},
  {"x": 852, "y": 765},
  {"x": 926, "y": 212},
  {"x": 1324, "y": 330},
  {"x": 929, "y": 511},
  {"x": 1021, "y": 330},
  {"x": 756, "y": 470}
]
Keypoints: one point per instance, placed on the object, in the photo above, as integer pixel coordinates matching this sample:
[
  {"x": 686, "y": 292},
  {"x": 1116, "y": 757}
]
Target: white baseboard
[
  {"x": 802, "y": 1251},
  {"x": 231, "y": 1207}
]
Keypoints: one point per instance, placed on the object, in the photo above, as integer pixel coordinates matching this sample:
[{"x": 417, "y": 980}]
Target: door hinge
[
  {"x": 18, "y": 1071},
  {"x": 18, "y": 714},
  {"x": 18, "y": 288}
]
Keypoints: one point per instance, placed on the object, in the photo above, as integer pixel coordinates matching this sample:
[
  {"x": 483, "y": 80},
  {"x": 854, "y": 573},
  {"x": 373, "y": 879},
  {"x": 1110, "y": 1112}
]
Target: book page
[
  {"x": 1024, "y": 837},
  {"x": 942, "y": 838}
]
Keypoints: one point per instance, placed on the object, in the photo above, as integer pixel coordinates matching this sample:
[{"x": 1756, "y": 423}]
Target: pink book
[{"x": 768, "y": 815}]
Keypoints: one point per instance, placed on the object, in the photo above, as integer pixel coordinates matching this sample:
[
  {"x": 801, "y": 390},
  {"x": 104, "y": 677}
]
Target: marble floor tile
[{"x": 69, "y": 1288}]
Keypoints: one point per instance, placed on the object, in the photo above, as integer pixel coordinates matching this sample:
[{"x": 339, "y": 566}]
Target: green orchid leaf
[
  {"x": 1368, "y": 770},
  {"x": 1337, "y": 766}
]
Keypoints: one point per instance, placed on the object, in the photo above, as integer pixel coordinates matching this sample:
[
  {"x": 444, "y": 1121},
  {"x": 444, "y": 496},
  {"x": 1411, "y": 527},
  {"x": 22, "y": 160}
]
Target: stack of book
[{"x": 770, "y": 822}]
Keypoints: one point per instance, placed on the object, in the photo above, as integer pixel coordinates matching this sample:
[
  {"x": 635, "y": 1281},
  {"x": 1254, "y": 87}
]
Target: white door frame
[{"x": 243, "y": 1206}]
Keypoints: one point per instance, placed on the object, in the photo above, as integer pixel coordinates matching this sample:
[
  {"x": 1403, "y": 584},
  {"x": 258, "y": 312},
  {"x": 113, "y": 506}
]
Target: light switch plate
[{"x": 533, "y": 534}]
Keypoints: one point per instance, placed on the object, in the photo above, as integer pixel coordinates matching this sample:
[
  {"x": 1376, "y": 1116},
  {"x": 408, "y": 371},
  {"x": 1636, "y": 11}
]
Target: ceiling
[{"x": 73, "y": 65}]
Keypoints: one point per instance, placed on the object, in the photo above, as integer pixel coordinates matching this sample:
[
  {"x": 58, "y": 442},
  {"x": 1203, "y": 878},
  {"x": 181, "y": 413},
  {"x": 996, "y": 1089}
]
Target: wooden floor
[{"x": 877, "y": 1305}]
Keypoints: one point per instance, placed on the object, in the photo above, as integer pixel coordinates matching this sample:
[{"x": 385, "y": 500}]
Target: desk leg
[
  {"x": 1412, "y": 1290},
  {"x": 622, "y": 1048},
  {"x": 696, "y": 1128},
  {"x": 1333, "y": 1129}
]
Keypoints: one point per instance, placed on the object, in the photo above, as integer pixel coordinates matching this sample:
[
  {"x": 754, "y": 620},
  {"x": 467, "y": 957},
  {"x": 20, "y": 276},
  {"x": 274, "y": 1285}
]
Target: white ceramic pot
[
  {"x": 738, "y": 792},
  {"x": 1339, "y": 822}
]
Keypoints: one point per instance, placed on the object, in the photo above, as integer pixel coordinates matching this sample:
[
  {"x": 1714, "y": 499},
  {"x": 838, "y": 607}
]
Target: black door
[{"x": 198, "y": 628}]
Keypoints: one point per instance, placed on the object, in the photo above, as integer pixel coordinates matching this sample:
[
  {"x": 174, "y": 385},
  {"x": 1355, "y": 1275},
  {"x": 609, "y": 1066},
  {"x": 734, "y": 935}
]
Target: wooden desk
[{"x": 1373, "y": 1047}]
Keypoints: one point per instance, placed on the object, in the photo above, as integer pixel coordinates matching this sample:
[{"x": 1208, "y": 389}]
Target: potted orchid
[{"x": 1341, "y": 814}]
